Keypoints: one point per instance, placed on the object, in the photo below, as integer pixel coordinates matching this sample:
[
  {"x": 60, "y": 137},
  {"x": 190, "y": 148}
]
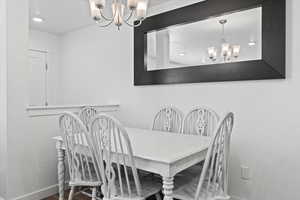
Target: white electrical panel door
[{"x": 37, "y": 78}]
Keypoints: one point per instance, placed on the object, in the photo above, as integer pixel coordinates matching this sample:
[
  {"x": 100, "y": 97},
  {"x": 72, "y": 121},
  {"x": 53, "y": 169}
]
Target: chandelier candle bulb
[
  {"x": 132, "y": 4},
  {"x": 99, "y": 3},
  {"x": 212, "y": 53},
  {"x": 118, "y": 10},
  {"x": 236, "y": 50},
  {"x": 95, "y": 12},
  {"x": 225, "y": 49},
  {"x": 141, "y": 10},
  {"x": 215, "y": 55}
]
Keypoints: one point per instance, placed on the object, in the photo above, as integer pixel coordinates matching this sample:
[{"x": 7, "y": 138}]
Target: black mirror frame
[{"x": 271, "y": 66}]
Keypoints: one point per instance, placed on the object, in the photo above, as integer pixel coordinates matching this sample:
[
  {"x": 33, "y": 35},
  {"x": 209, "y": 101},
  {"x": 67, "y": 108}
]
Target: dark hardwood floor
[{"x": 79, "y": 196}]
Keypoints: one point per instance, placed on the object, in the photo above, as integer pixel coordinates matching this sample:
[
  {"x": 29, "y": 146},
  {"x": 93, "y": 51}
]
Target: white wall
[
  {"x": 17, "y": 135},
  {"x": 50, "y": 43},
  {"x": 98, "y": 67},
  {"x": 30, "y": 152},
  {"x": 3, "y": 99}
]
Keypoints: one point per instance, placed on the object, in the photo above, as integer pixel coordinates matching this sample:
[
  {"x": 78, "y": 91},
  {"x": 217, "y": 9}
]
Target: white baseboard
[
  {"x": 39, "y": 194},
  {"x": 233, "y": 197}
]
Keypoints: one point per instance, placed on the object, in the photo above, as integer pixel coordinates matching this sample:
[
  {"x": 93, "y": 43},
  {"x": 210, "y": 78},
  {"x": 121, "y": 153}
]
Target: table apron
[
  {"x": 161, "y": 168},
  {"x": 187, "y": 162}
]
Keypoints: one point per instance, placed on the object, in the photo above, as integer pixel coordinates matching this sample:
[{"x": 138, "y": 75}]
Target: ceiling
[
  {"x": 62, "y": 16},
  {"x": 157, "y": 2}
]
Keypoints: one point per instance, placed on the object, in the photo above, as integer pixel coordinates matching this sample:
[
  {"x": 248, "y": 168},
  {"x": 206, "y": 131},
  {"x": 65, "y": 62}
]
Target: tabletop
[{"x": 163, "y": 146}]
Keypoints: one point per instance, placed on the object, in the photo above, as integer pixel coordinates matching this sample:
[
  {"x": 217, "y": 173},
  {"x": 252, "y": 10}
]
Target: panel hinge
[{"x": 46, "y": 67}]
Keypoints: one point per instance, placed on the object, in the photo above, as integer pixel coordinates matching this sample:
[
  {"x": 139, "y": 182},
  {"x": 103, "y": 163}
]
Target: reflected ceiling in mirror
[{"x": 234, "y": 37}]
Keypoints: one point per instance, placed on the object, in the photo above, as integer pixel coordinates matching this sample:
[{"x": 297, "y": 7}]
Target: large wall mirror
[{"x": 212, "y": 41}]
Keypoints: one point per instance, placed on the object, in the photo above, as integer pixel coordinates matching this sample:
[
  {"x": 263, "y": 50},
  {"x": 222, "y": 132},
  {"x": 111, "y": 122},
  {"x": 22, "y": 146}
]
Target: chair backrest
[
  {"x": 215, "y": 169},
  {"x": 80, "y": 157},
  {"x": 86, "y": 114},
  {"x": 168, "y": 119},
  {"x": 200, "y": 121},
  {"x": 114, "y": 156}
]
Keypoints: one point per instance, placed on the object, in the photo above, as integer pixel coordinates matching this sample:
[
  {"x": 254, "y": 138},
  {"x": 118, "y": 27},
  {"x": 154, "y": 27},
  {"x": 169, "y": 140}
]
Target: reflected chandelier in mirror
[{"x": 228, "y": 51}]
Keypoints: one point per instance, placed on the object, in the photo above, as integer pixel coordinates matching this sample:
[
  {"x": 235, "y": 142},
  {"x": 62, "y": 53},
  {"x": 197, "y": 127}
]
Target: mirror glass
[{"x": 232, "y": 37}]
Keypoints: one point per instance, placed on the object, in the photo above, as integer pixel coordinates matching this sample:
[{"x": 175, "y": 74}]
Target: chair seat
[
  {"x": 82, "y": 150},
  {"x": 85, "y": 183},
  {"x": 186, "y": 188},
  {"x": 93, "y": 181},
  {"x": 88, "y": 180},
  {"x": 150, "y": 186}
]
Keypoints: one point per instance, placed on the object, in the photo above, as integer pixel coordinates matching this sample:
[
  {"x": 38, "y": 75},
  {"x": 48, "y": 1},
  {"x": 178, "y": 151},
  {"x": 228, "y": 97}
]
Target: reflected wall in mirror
[{"x": 228, "y": 38}]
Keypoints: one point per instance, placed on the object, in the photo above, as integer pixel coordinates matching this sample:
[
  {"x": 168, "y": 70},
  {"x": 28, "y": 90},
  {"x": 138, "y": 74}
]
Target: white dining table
[{"x": 158, "y": 152}]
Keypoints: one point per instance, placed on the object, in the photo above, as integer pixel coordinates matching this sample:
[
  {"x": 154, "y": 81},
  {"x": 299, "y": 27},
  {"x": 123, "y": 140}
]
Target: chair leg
[
  {"x": 94, "y": 192},
  {"x": 71, "y": 195},
  {"x": 157, "y": 196}
]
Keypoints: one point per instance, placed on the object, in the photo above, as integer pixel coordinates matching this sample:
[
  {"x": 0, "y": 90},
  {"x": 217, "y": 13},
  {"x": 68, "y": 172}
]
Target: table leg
[
  {"x": 61, "y": 169},
  {"x": 168, "y": 185}
]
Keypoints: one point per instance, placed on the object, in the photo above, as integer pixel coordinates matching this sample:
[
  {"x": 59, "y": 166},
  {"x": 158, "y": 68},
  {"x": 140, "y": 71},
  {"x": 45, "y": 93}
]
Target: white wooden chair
[
  {"x": 81, "y": 162},
  {"x": 118, "y": 171},
  {"x": 86, "y": 114},
  {"x": 200, "y": 121},
  {"x": 168, "y": 119},
  {"x": 213, "y": 181}
]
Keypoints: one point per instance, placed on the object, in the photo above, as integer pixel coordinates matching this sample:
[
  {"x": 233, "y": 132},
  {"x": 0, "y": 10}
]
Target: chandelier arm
[
  {"x": 134, "y": 25},
  {"x": 106, "y": 18},
  {"x": 106, "y": 25},
  {"x": 129, "y": 16}
]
